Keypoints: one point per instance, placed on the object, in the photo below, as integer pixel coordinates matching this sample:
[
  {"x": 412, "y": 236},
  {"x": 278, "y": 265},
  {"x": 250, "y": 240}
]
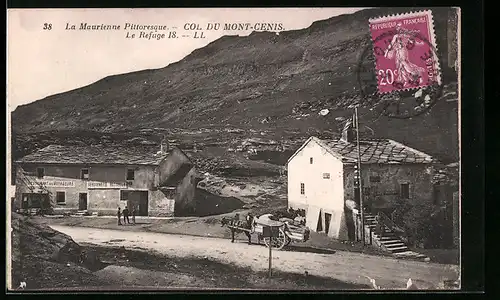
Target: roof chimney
[
  {"x": 348, "y": 132},
  {"x": 164, "y": 146}
]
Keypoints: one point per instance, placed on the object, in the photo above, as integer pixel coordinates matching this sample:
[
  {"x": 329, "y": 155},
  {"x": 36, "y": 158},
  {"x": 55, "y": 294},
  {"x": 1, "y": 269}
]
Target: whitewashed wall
[{"x": 325, "y": 195}]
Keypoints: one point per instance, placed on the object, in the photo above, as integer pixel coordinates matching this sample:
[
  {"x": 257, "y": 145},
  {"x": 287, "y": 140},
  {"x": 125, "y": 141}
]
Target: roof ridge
[
  {"x": 377, "y": 150},
  {"x": 415, "y": 151}
]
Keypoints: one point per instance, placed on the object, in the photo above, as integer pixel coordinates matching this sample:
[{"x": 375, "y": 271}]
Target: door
[
  {"x": 143, "y": 203},
  {"x": 82, "y": 202},
  {"x": 328, "y": 217},
  {"x": 319, "y": 227},
  {"x": 25, "y": 203}
]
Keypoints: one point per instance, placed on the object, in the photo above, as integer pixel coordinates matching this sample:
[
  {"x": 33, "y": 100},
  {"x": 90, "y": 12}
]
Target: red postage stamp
[{"x": 405, "y": 51}]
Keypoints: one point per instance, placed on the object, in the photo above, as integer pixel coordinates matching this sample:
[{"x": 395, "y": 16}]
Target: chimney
[
  {"x": 348, "y": 134},
  {"x": 164, "y": 146}
]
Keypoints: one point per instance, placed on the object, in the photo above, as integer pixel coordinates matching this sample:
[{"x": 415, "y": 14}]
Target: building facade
[
  {"x": 102, "y": 178},
  {"x": 321, "y": 179}
]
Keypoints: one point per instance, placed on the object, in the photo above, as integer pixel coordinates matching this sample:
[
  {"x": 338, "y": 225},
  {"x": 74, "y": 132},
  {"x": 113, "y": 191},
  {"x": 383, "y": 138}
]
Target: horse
[{"x": 248, "y": 223}]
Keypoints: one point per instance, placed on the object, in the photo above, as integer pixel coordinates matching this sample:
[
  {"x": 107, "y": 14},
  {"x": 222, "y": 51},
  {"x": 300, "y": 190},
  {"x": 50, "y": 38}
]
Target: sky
[{"x": 41, "y": 62}]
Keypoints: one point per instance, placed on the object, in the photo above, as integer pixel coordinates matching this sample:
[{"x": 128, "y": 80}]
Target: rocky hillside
[{"x": 266, "y": 82}]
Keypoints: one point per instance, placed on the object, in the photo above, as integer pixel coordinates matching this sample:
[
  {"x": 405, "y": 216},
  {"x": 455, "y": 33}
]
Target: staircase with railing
[{"x": 385, "y": 234}]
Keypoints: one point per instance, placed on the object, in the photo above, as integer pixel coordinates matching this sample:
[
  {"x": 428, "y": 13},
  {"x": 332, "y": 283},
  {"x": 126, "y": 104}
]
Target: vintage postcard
[{"x": 233, "y": 149}]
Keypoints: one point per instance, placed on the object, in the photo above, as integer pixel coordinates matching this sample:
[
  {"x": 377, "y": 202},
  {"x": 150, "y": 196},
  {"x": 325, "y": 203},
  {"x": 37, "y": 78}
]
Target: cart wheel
[{"x": 277, "y": 242}]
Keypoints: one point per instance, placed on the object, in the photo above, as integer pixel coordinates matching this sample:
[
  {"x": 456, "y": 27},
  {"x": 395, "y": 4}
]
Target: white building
[{"x": 321, "y": 179}]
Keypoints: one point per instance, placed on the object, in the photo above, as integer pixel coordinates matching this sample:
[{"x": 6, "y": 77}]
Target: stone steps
[{"x": 391, "y": 243}]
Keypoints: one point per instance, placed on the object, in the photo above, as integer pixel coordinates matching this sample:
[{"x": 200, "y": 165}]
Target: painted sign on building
[
  {"x": 56, "y": 183},
  {"x": 107, "y": 185}
]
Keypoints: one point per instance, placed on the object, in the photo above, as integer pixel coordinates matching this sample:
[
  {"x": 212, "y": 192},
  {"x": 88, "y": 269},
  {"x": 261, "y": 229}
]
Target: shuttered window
[
  {"x": 404, "y": 190},
  {"x": 302, "y": 189},
  {"x": 130, "y": 174},
  {"x": 60, "y": 197},
  {"x": 84, "y": 174},
  {"x": 40, "y": 172}
]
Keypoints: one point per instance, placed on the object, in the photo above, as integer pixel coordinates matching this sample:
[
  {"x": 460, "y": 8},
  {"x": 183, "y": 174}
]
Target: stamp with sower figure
[{"x": 404, "y": 49}]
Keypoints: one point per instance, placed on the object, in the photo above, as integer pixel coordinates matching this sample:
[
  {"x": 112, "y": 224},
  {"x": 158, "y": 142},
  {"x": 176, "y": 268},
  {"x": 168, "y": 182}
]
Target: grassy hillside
[{"x": 272, "y": 84}]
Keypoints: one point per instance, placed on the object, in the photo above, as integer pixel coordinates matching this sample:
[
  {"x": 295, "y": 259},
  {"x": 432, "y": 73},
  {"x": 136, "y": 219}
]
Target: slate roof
[
  {"x": 378, "y": 151},
  {"x": 373, "y": 151},
  {"x": 95, "y": 154}
]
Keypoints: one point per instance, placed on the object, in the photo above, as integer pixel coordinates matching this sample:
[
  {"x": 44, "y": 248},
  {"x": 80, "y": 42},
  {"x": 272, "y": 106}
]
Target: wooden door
[{"x": 82, "y": 201}]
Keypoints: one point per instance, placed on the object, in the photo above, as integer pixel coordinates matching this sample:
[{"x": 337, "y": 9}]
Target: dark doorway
[
  {"x": 328, "y": 217},
  {"x": 139, "y": 200},
  {"x": 143, "y": 203},
  {"x": 319, "y": 227},
  {"x": 82, "y": 201}
]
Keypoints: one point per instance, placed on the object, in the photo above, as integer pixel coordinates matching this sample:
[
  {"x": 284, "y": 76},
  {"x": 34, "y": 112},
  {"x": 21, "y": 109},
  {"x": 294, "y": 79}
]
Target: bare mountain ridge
[{"x": 264, "y": 81}]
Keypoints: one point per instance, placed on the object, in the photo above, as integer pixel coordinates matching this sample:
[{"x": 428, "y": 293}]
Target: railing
[{"x": 387, "y": 222}]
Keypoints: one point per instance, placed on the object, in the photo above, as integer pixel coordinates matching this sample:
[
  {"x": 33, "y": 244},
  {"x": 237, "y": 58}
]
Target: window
[
  {"x": 40, "y": 172},
  {"x": 124, "y": 195},
  {"x": 60, "y": 197},
  {"x": 326, "y": 175},
  {"x": 374, "y": 178},
  {"x": 84, "y": 174},
  {"x": 130, "y": 174},
  {"x": 302, "y": 189},
  {"x": 311, "y": 160},
  {"x": 404, "y": 190}
]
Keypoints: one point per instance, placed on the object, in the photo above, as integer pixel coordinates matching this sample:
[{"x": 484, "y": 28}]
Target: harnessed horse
[{"x": 248, "y": 224}]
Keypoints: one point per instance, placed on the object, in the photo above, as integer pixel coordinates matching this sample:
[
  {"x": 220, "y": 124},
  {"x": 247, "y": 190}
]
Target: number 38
[{"x": 387, "y": 76}]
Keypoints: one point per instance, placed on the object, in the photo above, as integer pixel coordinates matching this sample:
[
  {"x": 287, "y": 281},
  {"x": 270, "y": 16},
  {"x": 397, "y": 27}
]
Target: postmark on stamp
[{"x": 405, "y": 51}]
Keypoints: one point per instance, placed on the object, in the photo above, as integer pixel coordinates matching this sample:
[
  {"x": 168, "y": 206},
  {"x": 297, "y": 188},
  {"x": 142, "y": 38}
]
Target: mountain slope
[{"x": 264, "y": 81}]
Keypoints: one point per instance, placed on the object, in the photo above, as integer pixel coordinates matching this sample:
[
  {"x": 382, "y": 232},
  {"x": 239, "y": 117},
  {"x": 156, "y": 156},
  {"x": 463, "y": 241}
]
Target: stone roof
[
  {"x": 96, "y": 154},
  {"x": 377, "y": 151}
]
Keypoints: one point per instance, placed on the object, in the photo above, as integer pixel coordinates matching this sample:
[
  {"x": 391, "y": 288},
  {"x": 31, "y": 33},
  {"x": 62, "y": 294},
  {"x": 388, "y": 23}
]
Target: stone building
[
  {"x": 321, "y": 179},
  {"x": 102, "y": 178}
]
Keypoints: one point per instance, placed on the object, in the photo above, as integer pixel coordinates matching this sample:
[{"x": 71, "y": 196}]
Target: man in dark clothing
[
  {"x": 380, "y": 226},
  {"x": 119, "y": 213},
  {"x": 133, "y": 215},
  {"x": 125, "y": 216}
]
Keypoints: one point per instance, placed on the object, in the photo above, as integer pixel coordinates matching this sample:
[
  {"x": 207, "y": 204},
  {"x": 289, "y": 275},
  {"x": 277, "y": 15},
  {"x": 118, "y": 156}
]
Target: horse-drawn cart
[{"x": 288, "y": 230}]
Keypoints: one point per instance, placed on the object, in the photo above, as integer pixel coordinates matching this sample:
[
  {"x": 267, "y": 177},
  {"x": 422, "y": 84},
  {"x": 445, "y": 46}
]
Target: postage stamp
[{"x": 405, "y": 49}]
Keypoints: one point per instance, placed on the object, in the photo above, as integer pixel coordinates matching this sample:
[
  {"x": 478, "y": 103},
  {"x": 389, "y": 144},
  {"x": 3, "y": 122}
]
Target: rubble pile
[{"x": 43, "y": 257}]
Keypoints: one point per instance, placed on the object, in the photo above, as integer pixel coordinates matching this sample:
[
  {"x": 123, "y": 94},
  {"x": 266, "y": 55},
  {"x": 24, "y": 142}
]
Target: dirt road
[{"x": 345, "y": 266}]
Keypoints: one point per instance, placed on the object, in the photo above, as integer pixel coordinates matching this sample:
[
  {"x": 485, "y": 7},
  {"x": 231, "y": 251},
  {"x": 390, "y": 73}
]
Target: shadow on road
[
  {"x": 308, "y": 249},
  {"x": 294, "y": 248}
]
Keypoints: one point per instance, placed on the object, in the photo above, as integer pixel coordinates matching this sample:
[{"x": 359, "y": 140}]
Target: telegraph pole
[{"x": 360, "y": 180}]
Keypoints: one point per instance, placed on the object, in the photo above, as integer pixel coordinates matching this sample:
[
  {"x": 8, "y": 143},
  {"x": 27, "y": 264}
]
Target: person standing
[
  {"x": 125, "y": 216},
  {"x": 133, "y": 214},
  {"x": 119, "y": 214},
  {"x": 378, "y": 230},
  {"x": 380, "y": 226}
]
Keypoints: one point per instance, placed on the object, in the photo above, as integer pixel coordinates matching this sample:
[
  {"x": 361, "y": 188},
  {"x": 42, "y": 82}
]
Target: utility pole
[{"x": 360, "y": 180}]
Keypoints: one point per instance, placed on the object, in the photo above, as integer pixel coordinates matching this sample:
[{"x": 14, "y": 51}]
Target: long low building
[{"x": 104, "y": 177}]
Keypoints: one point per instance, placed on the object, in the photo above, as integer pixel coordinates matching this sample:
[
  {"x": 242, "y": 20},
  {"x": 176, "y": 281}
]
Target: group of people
[{"x": 126, "y": 213}]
